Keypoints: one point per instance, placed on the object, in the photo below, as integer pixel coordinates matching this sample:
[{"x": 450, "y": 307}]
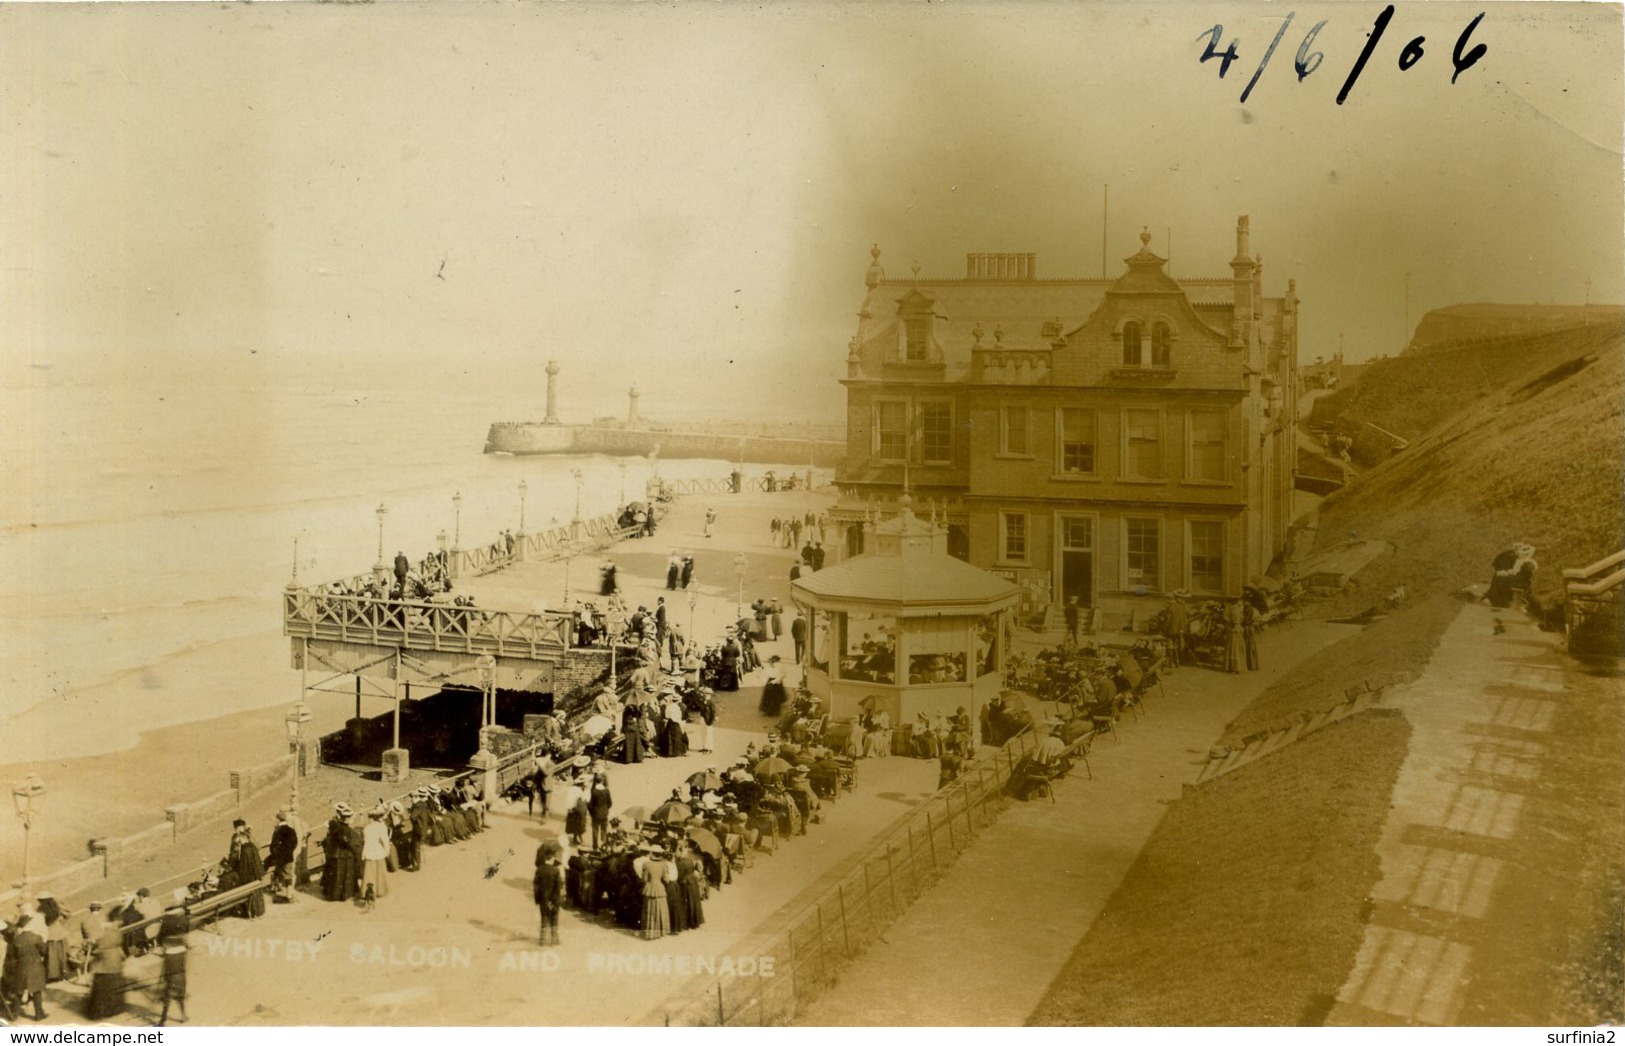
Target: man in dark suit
[{"x": 798, "y": 634}]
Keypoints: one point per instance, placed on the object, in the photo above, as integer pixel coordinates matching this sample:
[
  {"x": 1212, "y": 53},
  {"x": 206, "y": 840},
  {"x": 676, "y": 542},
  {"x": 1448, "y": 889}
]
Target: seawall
[{"x": 524, "y": 437}]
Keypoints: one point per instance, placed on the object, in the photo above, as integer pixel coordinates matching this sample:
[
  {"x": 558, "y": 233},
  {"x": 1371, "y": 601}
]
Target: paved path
[
  {"x": 1483, "y": 743},
  {"x": 983, "y": 945}
]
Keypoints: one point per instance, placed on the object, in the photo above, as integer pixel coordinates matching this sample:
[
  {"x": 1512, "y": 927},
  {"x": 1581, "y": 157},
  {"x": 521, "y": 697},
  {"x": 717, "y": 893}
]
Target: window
[
  {"x": 1013, "y": 539},
  {"x": 1207, "y": 449},
  {"x": 1141, "y": 551},
  {"x": 1016, "y": 437},
  {"x": 1207, "y": 556},
  {"x": 1159, "y": 345},
  {"x": 918, "y": 339},
  {"x": 1131, "y": 344},
  {"x": 1077, "y": 441},
  {"x": 936, "y": 432},
  {"x": 1142, "y": 432},
  {"x": 891, "y": 430}
]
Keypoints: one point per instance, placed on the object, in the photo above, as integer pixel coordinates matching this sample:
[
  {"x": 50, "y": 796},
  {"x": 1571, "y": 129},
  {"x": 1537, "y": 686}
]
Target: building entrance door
[{"x": 1077, "y": 560}]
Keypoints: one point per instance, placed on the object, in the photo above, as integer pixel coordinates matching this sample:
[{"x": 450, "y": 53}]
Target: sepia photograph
[{"x": 1026, "y": 514}]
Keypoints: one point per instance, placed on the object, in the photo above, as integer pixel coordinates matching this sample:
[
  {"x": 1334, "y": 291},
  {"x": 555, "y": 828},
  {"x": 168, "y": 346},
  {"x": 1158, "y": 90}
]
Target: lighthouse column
[
  {"x": 632, "y": 419},
  {"x": 552, "y": 393}
]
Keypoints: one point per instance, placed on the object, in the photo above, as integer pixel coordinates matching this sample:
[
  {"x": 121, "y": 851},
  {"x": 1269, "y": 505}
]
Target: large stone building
[{"x": 1102, "y": 440}]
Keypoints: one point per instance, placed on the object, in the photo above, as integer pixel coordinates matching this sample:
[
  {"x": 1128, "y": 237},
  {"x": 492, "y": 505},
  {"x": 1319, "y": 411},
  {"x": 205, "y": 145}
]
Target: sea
[{"x": 143, "y": 522}]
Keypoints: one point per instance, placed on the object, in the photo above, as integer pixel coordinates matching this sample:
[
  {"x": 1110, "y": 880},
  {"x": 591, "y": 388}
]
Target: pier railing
[{"x": 417, "y": 625}]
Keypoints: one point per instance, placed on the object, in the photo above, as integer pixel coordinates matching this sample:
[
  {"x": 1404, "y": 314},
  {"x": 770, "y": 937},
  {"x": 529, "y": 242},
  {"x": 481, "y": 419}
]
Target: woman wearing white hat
[
  {"x": 656, "y": 907},
  {"x": 374, "y": 855}
]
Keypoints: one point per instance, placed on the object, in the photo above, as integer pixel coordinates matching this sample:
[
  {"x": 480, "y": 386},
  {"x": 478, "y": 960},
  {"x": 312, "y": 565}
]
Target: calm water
[{"x": 142, "y": 522}]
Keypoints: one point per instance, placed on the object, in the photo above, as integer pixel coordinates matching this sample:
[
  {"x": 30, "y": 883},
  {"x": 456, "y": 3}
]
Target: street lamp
[
  {"x": 457, "y": 514},
  {"x": 380, "y": 512},
  {"x": 739, "y": 572},
  {"x": 569, "y": 554},
  {"x": 622, "y": 463},
  {"x": 295, "y": 721},
  {"x": 692, "y": 600},
  {"x": 23, "y": 793},
  {"x": 521, "y": 508}
]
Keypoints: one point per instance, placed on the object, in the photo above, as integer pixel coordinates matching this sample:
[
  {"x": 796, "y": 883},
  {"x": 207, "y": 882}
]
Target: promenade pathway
[{"x": 983, "y": 945}]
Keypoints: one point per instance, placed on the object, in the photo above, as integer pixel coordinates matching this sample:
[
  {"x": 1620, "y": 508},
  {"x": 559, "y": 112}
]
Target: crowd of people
[
  {"x": 361, "y": 850},
  {"x": 651, "y": 871},
  {"x": 788, "y": 531}
]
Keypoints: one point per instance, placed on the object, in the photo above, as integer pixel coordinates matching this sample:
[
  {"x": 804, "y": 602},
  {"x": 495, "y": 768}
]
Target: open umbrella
[
  {"x": 707, "y": 841},
  {"x": 704, "y": 781},
  {"x": 597, "y": 726},
  {"x": 672, "y": 812},
  {"x": 870, "y": 703},
  {"x": 635, "y": 814},
  {"x": 772, "y": 766}
]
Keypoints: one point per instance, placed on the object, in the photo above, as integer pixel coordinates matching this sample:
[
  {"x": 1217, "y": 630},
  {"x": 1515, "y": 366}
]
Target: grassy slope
[
  {"x": 1544, "y": 467},
  {"x": 1396, "y": 646},
  {"x": 1410, "y": 394},
  {"x": 1246, "y": 906}
]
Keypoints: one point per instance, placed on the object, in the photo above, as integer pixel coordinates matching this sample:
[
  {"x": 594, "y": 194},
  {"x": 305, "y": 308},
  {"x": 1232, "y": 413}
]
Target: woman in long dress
[
  {"x": 656, "y": 909},
  {"x": 56, "y": 937},
  {"x": 575, "y": 811},
  {"x": 773, "y": 692},
  {"x": 339, "y": 870},
  {"x": 106, "y": 974},
  {"x": 1235, "y": 651},
  {"x": 374, "y": 855},
  {"x": 690, "y": 873}
]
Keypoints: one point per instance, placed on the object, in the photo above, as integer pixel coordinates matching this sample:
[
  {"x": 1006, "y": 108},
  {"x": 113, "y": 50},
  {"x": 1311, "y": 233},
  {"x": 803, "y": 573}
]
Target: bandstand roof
[{"x": 911, "y": 581}]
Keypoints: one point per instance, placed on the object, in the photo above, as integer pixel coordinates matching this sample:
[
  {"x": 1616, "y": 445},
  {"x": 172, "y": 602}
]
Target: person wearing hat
[
  {"x": 547, "y": 888},
  {"x": 279, "y": 859},
  {"x": 243, "y": 859},
  {"x": 342, "y": 867},
  {"x": 374, "y": 858},
  {"x": 26, "y": 960},
  {"x": 599, "y": 803},
  {"x": 773, "y": 693},
  {"x": 172, "y": 942},
  {"x": 1179, "y": 627},
  {"x": 1071, "y": 615},
  {"x": 55, "y": 926},
  {"x": 652, "y": 873},
  {"x": 106, "y": 999},
  {"x": 402, "y": 838}
]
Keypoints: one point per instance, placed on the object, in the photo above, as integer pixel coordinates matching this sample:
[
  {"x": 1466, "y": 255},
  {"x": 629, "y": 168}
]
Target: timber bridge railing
[{"x": 423, "y": 625}]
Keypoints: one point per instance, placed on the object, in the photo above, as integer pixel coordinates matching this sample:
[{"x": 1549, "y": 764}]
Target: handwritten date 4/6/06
[{"x": 1464, "y": 57}]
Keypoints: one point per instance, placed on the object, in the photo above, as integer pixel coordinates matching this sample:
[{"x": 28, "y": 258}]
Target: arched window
[
  {"x": 1131, "y": 344},
  {"x": 1159, "y": 345}
]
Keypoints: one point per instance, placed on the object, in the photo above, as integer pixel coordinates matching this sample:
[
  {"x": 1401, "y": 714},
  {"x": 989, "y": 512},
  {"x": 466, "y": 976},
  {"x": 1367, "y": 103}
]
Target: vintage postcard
[{"x": 812, "y": 514}]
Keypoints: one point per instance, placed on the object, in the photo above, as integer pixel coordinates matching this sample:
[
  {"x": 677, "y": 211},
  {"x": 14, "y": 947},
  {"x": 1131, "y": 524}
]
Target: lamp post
[
  {"x": 739, "y": 573},
  {"x": 488, "y": 684},
  {"x": 522, "y": 508},
  {"x": 692, "y": 600},
  {"x": 23, "y": 793},
  {"x": 295, "y": 721},
  {"x": 380, "y": 567},
  {"x": 457, "y": 517},
  {"x": 569, "y": 554},
  {"x": 622, "y": 463}
]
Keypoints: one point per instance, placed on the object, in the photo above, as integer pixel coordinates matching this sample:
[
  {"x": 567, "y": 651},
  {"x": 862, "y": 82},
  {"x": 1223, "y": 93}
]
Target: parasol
[
  {"x": 707, "y": 841},
  {"x": 772, "y": 766},
  {"x": 704, "y": 781},
  {"x": 597, "y": 726},
  {"x": 635, "y": 814},
  {"x": 870, "y": 703},
  {"x": 671, "y": 812}
]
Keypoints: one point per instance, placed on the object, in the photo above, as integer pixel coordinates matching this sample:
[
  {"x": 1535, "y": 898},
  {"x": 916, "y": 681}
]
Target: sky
[{"x": 685, "y": 195}]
